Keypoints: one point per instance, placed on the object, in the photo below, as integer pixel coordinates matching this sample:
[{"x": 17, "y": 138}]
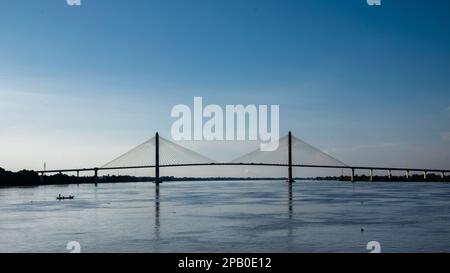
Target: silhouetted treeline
[
  {"x": 22, "y": 178},
  {"x": 412, "y": 178},
  {"x": 31, "y": 178}
]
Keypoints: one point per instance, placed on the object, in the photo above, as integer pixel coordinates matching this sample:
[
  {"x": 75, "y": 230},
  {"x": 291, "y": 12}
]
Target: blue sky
[{"x": 80, "y": 85}]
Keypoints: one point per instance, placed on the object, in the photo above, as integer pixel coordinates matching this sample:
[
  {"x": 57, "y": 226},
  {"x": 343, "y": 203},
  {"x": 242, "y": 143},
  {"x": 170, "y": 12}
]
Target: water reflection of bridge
[
  {"x": 292, "y": 152},
  {"x": 290, "y": 219}
]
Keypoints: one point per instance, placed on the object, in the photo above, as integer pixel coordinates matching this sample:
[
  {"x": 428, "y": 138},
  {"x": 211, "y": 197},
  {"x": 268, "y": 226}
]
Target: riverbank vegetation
[{"x": 30, "y": 178}]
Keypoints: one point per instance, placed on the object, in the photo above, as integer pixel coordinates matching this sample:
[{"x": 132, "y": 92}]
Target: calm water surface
[{"x": 238, "y": 216}]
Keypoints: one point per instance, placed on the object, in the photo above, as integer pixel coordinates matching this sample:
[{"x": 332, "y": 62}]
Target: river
[{"x": 230, "y": 216}]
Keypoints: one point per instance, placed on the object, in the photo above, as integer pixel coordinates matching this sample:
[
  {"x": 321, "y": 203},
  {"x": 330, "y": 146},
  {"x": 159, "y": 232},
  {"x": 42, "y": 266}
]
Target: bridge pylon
[
  {"x": 157, "y": 179},
  {"x": 290, "y": 178}
]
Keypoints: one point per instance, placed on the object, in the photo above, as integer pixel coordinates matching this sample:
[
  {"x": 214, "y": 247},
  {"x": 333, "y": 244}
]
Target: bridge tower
[
  {"x": 96, "y": 176},
  {"x": 290, "y": 178},
  {"x": 157, "y": 180}
]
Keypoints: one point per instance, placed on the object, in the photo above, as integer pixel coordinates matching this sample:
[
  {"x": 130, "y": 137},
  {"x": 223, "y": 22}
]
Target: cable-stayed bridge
[{"x": 291, "y": 153}]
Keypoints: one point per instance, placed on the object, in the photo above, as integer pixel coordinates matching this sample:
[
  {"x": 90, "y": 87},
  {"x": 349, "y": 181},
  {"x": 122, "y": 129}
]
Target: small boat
[{"x": 60, "y": 197}]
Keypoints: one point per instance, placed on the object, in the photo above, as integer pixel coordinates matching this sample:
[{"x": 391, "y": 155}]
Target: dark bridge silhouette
[{"x": 287, "y": 155}]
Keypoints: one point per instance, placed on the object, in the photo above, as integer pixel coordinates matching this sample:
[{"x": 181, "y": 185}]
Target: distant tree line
[
  {"x": 30, "y": 178},
  {"x": 378, "y": 178},
  {"x": 22, "y": 178}
]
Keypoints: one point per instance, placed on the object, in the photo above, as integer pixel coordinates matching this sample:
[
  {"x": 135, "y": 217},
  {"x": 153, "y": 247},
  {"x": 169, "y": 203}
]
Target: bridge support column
[
  {"x": 290, "y": 178},
  {"x": 157, "y": 179},
  {"x": 371, "y": 175},
  {"x": 96, "y": 176},
  {"x": 442, "y": 175},
  {"x": 407, "y": 174},
  {"x": 424, "y": 175},
  {"x": 41, "y": 178},
  {"x": 390, "y": 174},
  {"x": 78, "y": 173},
  {"x": 352, "y": 177}
]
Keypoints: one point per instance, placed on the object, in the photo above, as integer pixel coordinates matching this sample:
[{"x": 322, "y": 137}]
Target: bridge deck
[{"x": 247, "y": 164}]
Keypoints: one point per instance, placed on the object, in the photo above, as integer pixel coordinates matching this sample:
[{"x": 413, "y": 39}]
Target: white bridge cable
[
  {"x": 169, "y": 154},
  {"x": 142, "y": 155},
  {"x": 302, "y": 154},
  {"x": 173, "y": 154}
]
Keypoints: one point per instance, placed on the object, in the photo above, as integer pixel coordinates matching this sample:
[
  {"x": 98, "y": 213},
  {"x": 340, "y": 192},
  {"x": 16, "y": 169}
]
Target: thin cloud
[{"x": 445, "y": 136}]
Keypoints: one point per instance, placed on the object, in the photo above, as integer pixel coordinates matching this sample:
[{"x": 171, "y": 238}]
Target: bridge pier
[
  {"x": 390, "y": 174},
  {"x": 424, "y": 175},
  {"x": 96, "y": 176},
  {"x": 407, "y": 174},
  {"x": 157, "y": 179},
  {"x": 442, "y": 175},
  {"x": 352, "y": 177},
  {"x": 78, "y": 173},
  {"x": 371, "y": 175},
  {"x": 290, "y": 178}
]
